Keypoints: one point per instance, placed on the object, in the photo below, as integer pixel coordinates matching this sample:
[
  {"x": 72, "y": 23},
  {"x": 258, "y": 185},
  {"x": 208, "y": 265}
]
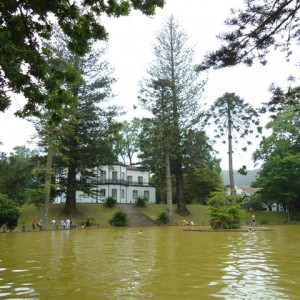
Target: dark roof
[{"x": 136, "y": 168}]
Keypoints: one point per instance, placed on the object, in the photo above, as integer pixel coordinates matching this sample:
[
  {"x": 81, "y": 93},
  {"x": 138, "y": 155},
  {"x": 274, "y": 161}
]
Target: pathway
[{"x": 135, "y": 217}]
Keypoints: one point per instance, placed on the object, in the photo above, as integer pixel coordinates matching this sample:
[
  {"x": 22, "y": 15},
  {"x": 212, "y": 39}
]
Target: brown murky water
[{"x": 160, "y": 263}]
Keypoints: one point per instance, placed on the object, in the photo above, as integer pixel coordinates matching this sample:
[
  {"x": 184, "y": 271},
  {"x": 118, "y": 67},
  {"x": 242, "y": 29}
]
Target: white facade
[{"x": 122, "y": 182}]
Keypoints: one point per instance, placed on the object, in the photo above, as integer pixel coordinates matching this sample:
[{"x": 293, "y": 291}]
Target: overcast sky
[{"x": 131, "y": 42}]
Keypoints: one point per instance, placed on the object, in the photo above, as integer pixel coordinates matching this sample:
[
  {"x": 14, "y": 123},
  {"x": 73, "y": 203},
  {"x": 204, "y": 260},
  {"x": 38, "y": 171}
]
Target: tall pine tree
[
  {"x": 173, "y": 68},
  {"x": 87, "y": 130}
]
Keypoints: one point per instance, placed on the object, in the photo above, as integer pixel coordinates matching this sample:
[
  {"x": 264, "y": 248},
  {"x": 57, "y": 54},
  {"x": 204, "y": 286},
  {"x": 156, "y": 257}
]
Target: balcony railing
[{"x": 121, "y": 182}]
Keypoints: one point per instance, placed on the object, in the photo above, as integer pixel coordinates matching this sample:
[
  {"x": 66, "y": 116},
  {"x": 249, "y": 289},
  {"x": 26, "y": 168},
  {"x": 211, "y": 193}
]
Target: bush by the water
[
  {"x": 110, "y": 202},
  {"x": 119, "y": 219},
  {"x": 141, "y": 201},
  {"x": 163, "y": 218},
  {"x": 224, "y": 211},
  {"x": 9, "y": 212}
]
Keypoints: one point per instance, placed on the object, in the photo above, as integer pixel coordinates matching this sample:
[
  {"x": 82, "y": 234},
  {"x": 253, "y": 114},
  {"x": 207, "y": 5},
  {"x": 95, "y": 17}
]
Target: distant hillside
[{"x": 239, "y": 179}]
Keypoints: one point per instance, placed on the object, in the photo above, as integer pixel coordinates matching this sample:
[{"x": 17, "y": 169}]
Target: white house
[{"x": 122, "y": 182}]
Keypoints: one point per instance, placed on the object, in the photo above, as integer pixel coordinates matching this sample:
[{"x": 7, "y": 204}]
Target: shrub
[
  {"x": 9, "y": 212},
  {"x": 119, "y": 219},
  {"x": 163, "y": 218},
  {"x": 141, "y": 201},
  {"x": 224, "y": 211},
  {"x": 110, "y": 202},
  {"x": 253, "y": 202}
]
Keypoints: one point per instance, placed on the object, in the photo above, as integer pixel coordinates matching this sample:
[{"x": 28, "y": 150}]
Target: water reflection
[
  {"x": 249, "y": 273},
  {"x": 161, "y": 263}
]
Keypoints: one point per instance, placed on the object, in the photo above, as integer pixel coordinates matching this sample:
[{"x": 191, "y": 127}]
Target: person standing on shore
[
  {"x": 63, "y": 224},
  {"x": 53, "y": 223},
  {"x": 253, "y": 222}
]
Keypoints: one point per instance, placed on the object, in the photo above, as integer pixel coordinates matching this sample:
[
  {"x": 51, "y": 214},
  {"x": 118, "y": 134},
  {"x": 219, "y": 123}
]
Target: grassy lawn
[
  {"x": 198, "y": 213},
  {"x": 98, "y": 215}
]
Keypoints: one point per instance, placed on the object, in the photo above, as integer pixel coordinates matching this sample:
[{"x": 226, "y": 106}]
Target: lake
[{"x": 159, "y": 263}]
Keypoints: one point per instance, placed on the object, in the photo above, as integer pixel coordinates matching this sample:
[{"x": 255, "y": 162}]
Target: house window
[
  {"x": 114, "y": 175},
  {"x": 122, "y": 194},
  {"x": 134, "y": 194},
  {"x": 102, "y": 193},
  {"x": 85, "y": 195},
  {"x": 114, "y": 193},
  {"x": 103, "y": 175},
  {"x": 140, "y": 179},
  {"x": 146, "y": 194},
  {"x": 122, "y": 175},
  {"x": 129, "y": 179}
]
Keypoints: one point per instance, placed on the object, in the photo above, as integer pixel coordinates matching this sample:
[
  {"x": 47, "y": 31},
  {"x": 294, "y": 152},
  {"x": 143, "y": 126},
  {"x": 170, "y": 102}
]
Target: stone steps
[{"x": 135, "y": 217}]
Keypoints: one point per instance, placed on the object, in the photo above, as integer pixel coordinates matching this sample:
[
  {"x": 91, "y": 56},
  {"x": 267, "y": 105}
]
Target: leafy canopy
[
  {"x": 279, "y": 177},
  {"x": 254, "y": 30},
  {"x": 23, "y": 24}
]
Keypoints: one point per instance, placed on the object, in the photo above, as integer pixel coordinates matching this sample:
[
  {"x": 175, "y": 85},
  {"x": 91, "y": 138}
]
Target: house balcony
[{"x": 121, "y": 182}]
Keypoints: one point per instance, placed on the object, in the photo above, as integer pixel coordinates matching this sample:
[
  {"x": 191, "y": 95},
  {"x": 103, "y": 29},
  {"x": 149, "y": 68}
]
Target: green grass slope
[{"x": 99, "y": 216}]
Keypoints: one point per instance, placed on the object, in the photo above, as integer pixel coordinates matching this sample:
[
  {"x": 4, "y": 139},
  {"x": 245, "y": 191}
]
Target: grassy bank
[
  {"x": 199, "y": 215},
  {"x": 99, "y": 216}
]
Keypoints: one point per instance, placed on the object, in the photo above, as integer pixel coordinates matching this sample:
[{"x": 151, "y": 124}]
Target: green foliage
[
  {"x": 163, "y": 218},
  {"x": 9, "y": 212},
  {"x": 234, "y": 119},
  {"x": 280, "y": 181},
  {"x": 224, "y": 211},
  {"x": 230, "y": 113},
  {"x": 119, "y": 219},
  {"x": 255, "y": 30},
  {"x": 170, "y": 91},
  {"x": 141, "y": 201},
  {"x": 200, "y": 183},
  {"x": 84, "y": 140},
  {"x": 24, "y": 24},
  {"x": 16, "y": 173},
  {"x": 35, "y": 196},
  {"x": 110, "y": 202},
  {"x": 279, "y": 177},
  {"x": 243, "y": 170},
  {"x": 253, "y": 202},
  {"x": 127, "y": 142}
]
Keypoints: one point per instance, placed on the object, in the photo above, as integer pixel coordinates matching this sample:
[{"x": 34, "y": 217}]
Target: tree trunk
[
  {"x": 70, "y": 207},
  {"x": 169, "y": 187},
  {"x": 48, "y": 174},
  {"x": 231, "y": 176},
  {"x": 181, "y": 205}
]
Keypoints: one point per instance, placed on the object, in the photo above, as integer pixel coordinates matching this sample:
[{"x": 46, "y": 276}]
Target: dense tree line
[
  {"x": 255, "y": 30},
  {"x": 67, "y": 83}
]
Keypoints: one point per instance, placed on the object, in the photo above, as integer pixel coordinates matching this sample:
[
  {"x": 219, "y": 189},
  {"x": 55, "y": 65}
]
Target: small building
[
  {"x": 122, "y": 182},
  {"x": 246, "y": 190}
]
